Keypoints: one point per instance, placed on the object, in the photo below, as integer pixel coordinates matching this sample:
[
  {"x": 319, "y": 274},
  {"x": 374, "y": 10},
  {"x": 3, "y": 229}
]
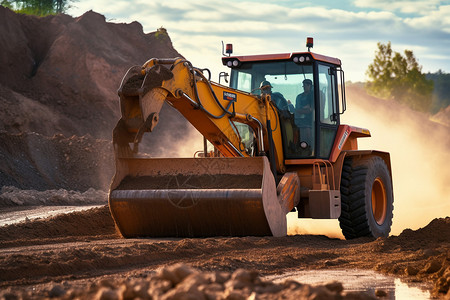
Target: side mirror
[{"x": 334, "y": 117}]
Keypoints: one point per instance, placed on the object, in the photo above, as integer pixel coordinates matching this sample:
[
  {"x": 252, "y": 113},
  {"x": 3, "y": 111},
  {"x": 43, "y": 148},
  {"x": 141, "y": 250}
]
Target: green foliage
[
  {"x": 37, "y": 7},
  {"x": 161, "y": 33},
  {"x": 6, "y": 3},
  {"x": 398, "y": 77},
  {"x": 441, "y": 93}
]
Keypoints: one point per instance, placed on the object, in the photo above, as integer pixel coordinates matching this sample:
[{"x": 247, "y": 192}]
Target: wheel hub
[{"x": 379, "y": 201}]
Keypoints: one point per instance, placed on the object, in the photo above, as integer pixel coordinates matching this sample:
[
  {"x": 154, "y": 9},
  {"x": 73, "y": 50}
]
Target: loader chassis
[{"x": 280, "y": 150}]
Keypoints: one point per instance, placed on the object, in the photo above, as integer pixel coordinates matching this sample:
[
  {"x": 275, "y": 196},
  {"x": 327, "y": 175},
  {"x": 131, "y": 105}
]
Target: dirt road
[{"x": 81, "y": 255}]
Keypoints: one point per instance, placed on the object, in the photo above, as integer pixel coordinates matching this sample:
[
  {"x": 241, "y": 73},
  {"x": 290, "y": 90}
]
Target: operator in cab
[
  {"x": 304, "y": 111},
  {"x": 280, "y": 102}
]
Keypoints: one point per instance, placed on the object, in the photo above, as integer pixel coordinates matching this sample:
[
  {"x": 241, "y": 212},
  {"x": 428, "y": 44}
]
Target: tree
[
  {"x": 37, "y": 7},
  {"x": 398, "y": 77},
  {"x": 441, "y": 93},
  {"x": 6, "y": 3}
]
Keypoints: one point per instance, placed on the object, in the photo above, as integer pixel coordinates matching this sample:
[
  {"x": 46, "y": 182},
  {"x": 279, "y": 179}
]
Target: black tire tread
[{"x": 353, "y": 220}]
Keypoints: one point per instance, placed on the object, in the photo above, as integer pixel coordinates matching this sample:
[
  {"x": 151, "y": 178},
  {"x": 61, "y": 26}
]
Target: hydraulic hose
[
  {"x": 198, "y": 103},
  {"x": 212, "y": 92}
]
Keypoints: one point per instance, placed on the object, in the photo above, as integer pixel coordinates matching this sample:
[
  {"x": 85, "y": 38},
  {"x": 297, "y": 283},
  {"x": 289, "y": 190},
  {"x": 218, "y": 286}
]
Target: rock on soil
[{"x": 180, "y": 281}]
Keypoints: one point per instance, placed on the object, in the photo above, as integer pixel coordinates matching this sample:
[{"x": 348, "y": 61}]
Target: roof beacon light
[
  {"x": 309, "y": 43},
  {"x": 229, "y": 49}
]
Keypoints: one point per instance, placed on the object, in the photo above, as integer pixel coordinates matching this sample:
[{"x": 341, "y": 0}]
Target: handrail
[{"x": 323, "y": 181}]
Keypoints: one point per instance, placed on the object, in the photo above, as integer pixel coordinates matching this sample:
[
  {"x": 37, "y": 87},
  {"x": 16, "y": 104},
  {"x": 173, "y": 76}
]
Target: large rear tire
[{"x": 366, "y": 198}]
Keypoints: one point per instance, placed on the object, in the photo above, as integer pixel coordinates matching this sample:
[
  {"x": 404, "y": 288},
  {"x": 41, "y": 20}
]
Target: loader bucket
[{"x": 195, "y": 197}]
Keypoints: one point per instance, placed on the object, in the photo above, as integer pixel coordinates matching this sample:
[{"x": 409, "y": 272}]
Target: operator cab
[{"x": 308, "y": 83}]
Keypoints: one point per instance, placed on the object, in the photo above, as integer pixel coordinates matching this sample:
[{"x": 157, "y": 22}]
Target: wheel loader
[{"x": 279, "y": 147}]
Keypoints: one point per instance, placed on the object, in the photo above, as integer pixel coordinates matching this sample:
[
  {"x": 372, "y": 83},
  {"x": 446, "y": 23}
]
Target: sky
[{"x": 346, "y": 29}]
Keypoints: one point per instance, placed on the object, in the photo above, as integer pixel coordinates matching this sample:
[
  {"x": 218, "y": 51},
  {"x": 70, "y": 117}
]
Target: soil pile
[
  {"x": 61, "y": 73},
  {"x": 204, "y": 181},
  {"x": 58, "y": 97},
  {"x": 95, "y": 223},
  {"x": 34, "y": 161},
  {"x": 12, "y": 196}
]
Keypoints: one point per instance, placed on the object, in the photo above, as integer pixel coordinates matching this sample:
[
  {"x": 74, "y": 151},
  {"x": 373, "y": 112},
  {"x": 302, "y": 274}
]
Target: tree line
[
  {"x": 399, "y": 77},
  {"x": 37, "y": 7},
  {"x": 441, "y": 93}
]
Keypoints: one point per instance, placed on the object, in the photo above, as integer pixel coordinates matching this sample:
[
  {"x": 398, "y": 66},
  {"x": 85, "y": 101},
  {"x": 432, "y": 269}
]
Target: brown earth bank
[
  {"x": 33, "y": 161},
  {"x": 80, "y": 255},
  {"x": 59, "y": 102},
  {"x": 60, "y": 74}
]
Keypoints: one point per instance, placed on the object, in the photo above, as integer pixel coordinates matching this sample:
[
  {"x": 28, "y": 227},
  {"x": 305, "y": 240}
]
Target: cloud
[
  {"x": 435, "y": 19},
  {"x": 197, "y": 27},
  {"x": 420, "y": 7}
]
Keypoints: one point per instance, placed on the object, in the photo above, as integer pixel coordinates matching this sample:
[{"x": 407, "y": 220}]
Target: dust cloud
[
  {"x": 419, "y": 157},
  {"x": 192, "y": 142},
  {"x": 420, "y": 154},
  {"x": 173, "y": 136}
]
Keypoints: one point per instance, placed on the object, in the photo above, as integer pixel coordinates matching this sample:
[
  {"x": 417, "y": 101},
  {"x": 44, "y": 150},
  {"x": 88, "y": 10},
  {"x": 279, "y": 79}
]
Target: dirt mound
[
  {"x": 60, "y": 77},
  {"x": 12, "y": 196},
  {"x": 64, "y": 72},
  {"x": 435, "y": 233},
  {"x": 94, "y": 223},
  {"x": 34, "y": 161},
  {"x": 422, "y": 253}
]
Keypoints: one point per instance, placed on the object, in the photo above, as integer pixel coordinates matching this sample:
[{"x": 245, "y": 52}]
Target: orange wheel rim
[{"x": 379, "y": 201}]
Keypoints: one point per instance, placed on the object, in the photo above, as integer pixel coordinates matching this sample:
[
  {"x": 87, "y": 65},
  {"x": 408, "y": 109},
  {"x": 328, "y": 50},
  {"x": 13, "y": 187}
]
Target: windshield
[
  {"x": 285, "y": 77},
  {"x": 291, "y": 87}
]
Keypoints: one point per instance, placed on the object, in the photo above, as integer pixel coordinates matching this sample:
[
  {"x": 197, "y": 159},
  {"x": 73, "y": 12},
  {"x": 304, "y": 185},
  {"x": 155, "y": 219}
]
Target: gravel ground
[{"x": 80, "y": 255}]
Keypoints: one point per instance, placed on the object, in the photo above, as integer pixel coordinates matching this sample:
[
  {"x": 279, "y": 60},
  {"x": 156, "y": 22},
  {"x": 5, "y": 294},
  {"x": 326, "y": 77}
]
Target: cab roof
[{"x": 281, "y": 56}]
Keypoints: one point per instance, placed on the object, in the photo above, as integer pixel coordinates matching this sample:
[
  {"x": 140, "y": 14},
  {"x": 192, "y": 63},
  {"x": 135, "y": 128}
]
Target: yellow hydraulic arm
[{"x": 209, "y": 107}]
